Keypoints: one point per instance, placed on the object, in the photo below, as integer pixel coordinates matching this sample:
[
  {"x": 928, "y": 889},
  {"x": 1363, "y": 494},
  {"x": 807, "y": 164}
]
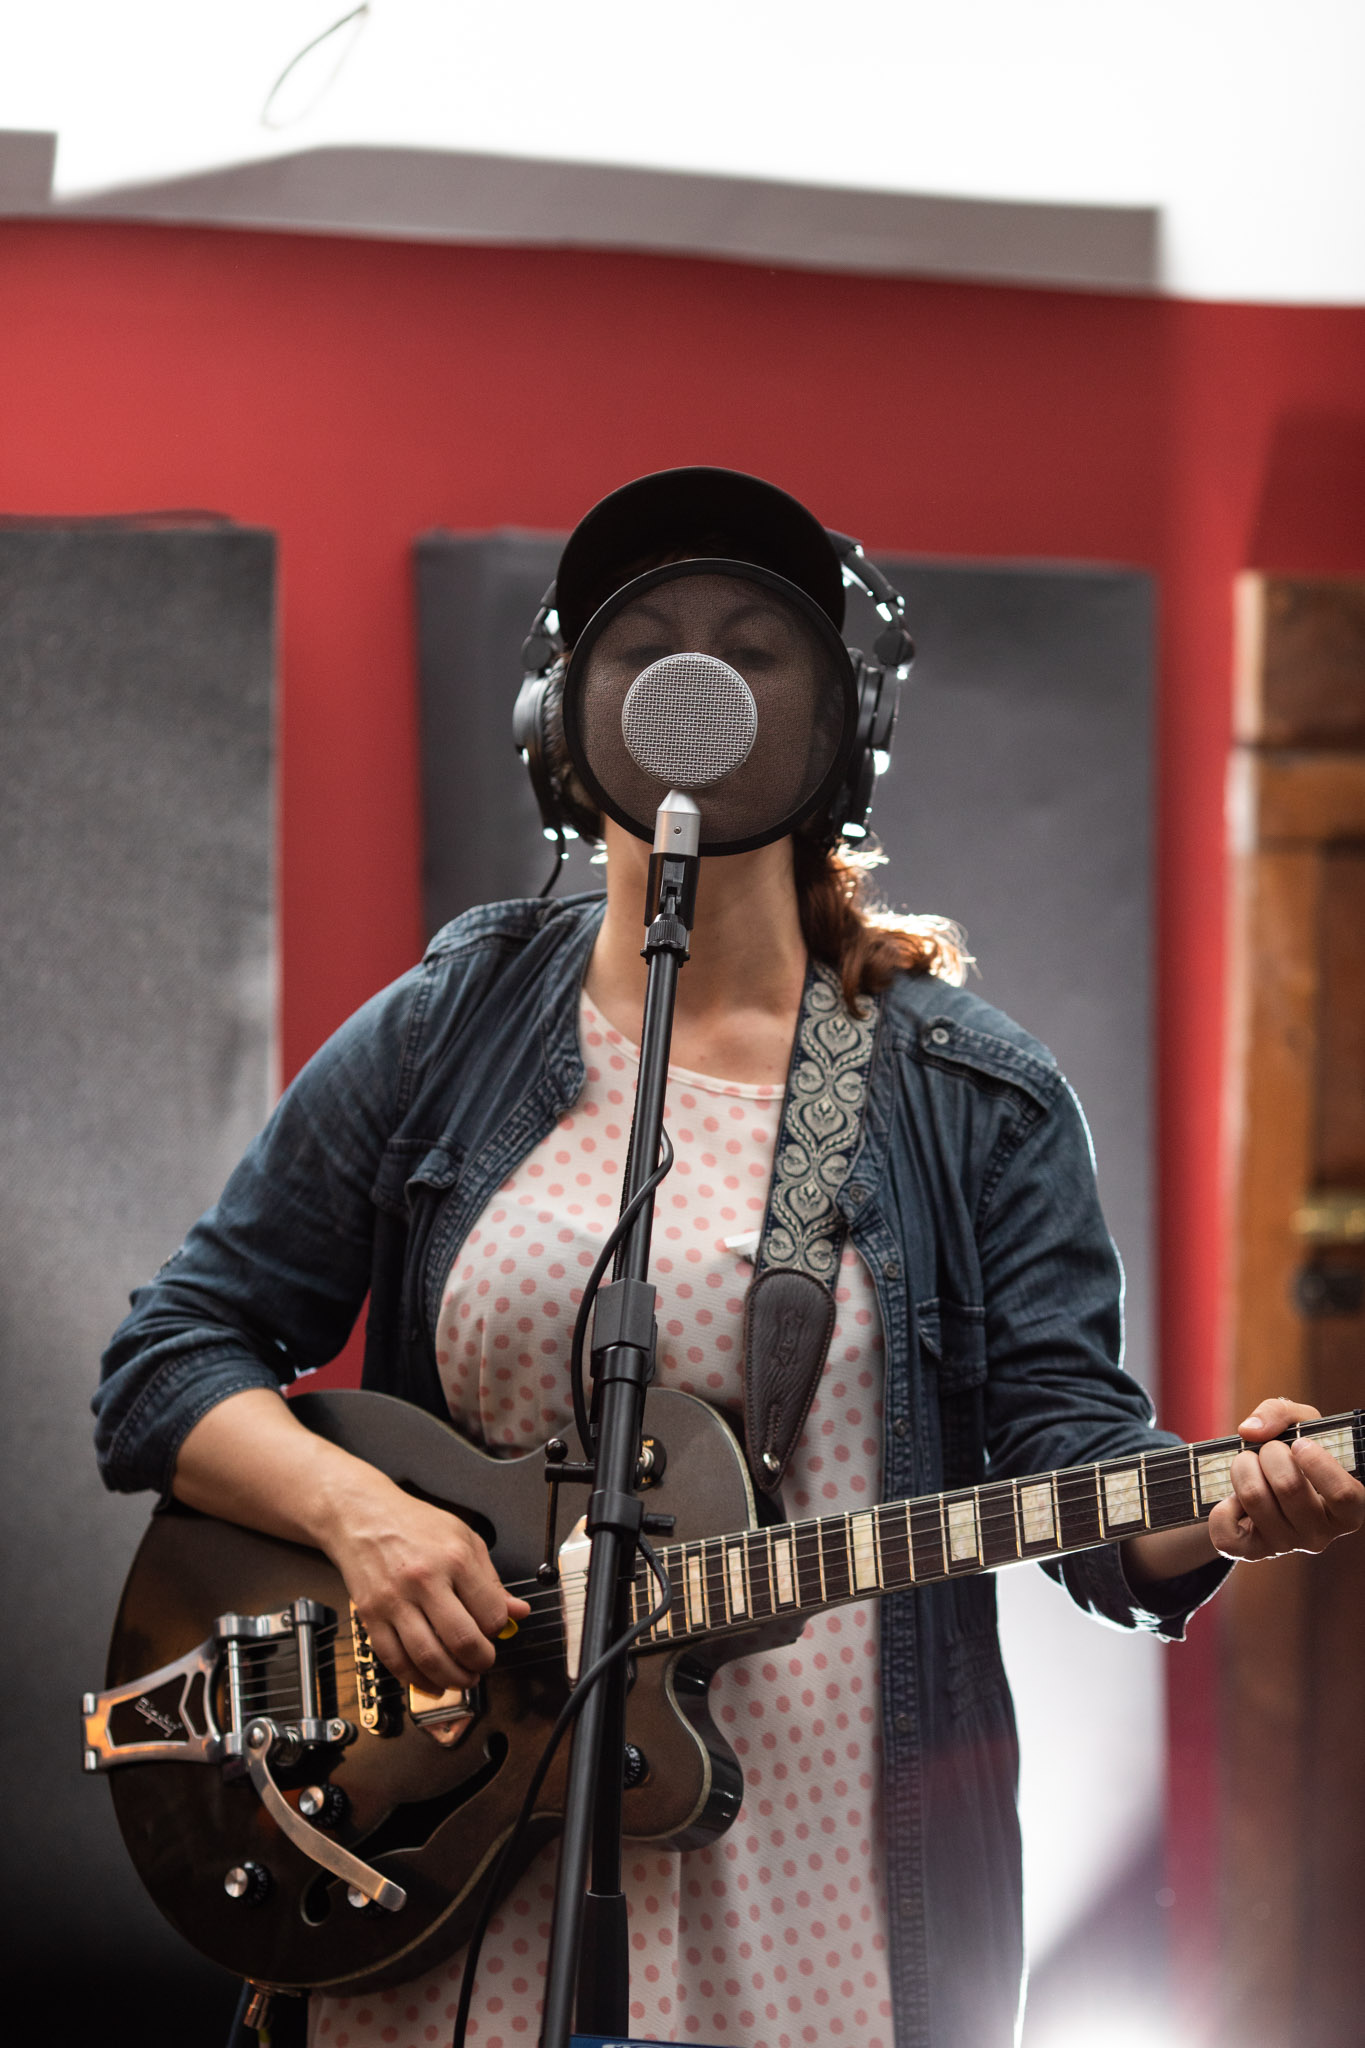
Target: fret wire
[
  {"x": 698, "y": 1581},
  {"x": 886, "y": 1579},
  {"x": 732, "y": 1559},
  {"x": 766, "y": 1601},
  {"x": 1018, "y": 1527},
  {"x": 943, "y": 1532},
  {"x": 706, "y": 1583},
  {"x": 910, "y": 1542}
]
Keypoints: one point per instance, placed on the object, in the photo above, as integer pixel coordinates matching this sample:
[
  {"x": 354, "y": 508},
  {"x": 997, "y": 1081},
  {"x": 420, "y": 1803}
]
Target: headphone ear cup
[
  {"x": 538, "y": 734},
  {"x": 528, "y": 737},
  {"x": 853, "y": 803}
]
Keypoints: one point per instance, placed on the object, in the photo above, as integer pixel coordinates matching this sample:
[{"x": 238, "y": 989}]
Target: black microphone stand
[{"x": 588, "y": 1941}]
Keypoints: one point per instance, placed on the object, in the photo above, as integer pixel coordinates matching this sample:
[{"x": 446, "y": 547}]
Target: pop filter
[{"x": 716, "y": 677}]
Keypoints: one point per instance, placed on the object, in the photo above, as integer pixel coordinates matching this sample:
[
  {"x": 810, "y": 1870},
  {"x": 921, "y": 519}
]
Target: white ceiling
[{"x": 1237, "y": 123}]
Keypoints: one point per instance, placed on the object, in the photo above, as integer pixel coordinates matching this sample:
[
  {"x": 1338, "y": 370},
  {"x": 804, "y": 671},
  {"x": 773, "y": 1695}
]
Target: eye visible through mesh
[
  {"x": 688, "y": 720},
  {"x": 695, "y": 620}
]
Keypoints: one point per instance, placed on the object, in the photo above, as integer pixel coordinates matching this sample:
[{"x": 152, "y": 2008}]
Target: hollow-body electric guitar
[{"x": 305, "y": 1821}]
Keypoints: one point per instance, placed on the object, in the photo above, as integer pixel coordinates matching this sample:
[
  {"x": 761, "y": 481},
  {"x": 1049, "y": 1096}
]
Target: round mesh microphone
[
  {"x": 715, "y": 678},
  {"x": 688, "y": 720}
]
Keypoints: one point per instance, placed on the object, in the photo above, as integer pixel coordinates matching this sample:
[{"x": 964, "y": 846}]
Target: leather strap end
[{"x": 788, "y": 1322}]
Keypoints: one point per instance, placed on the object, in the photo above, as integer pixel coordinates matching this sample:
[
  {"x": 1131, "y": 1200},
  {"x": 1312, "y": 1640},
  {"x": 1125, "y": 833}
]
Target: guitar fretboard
[{"x": 734, "y": 1581}]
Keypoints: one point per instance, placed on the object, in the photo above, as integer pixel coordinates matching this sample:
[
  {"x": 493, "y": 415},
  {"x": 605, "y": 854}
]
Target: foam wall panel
[{"x": 136, "y": 1057}]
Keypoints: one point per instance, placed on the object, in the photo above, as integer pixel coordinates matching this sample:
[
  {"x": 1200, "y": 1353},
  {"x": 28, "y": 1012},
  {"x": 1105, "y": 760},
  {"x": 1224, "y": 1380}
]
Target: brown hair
[{"x": 867, "y": 945}]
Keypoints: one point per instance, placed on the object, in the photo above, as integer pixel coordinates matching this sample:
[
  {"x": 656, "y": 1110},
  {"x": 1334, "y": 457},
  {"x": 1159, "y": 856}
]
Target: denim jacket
[{"x": 972, "y": 1201}]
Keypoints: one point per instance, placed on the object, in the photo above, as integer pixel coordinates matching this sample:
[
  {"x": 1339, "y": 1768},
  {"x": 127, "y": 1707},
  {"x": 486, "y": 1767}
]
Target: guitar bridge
[
  {"x": 171, "y": 1715},
  {"x": 379, "y": 1697}
]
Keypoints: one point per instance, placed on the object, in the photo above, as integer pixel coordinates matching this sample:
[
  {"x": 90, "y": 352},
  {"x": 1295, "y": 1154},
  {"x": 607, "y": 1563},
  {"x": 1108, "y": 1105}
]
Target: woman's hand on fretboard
[{"x": 1290, "y": 1496}]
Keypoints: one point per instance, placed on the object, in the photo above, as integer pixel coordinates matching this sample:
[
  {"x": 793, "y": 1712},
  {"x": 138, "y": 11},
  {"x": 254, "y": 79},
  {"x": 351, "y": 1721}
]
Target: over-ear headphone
[{"x": 566, "y": 810}]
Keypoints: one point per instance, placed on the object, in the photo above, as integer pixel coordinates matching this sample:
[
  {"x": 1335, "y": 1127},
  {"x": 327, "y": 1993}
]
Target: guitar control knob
[
  {"x": 635, "y": 1768},
  {"x": 324, "y": 1804},
  {"x": 247, "y": 1883}
]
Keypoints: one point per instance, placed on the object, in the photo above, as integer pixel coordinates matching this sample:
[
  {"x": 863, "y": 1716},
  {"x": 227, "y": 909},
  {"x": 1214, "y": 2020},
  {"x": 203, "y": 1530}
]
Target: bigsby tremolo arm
[{"x": 262, "y": 1737}]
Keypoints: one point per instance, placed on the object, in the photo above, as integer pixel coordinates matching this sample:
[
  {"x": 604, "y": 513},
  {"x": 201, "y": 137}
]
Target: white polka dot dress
[{"x": 775, "y": 1935}]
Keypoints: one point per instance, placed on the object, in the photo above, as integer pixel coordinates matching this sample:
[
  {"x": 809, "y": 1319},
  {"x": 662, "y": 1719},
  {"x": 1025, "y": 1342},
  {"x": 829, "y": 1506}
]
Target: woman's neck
[{"x": 740, "y": 992}]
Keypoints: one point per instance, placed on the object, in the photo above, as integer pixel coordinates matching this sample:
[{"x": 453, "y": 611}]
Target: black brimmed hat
[{"x": 711, "y": 511}]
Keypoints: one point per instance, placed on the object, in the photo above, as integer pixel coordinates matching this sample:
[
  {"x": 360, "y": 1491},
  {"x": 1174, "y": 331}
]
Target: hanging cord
[
  {"x": 618, "y": 1230},
  {"x": 561, "y": 855},
  {"x": 619, "y": 1648},
  {"x": 567, "y": 1714},
  {"x": 269, "y": 116}
]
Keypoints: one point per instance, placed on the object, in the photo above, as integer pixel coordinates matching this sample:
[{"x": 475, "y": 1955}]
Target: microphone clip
[{"x": 671, "y": 897}]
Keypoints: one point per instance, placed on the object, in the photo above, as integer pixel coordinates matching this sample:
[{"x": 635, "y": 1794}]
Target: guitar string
[
  {"x": 811, "y": 1540},
  {"x": 996, "y": 1511},
  {"x": 995, "y": 1504},
  {"x": 284, "y": 1693}
]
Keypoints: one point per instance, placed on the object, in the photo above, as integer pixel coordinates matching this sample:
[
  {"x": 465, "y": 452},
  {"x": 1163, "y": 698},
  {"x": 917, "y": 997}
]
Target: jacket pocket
[{"x": 953, "y": 1337}]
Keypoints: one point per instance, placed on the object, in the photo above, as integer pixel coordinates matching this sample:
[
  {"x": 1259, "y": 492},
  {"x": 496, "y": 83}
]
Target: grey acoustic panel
[
  {"x": 476, "y": 599},
  {"x": 136, "y": 1058},
  {"x": 1019, "y": 801}
]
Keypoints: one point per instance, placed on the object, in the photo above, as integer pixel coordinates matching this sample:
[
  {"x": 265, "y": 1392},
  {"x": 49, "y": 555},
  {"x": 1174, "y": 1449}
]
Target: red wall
[{"x": 350, "y": 393}]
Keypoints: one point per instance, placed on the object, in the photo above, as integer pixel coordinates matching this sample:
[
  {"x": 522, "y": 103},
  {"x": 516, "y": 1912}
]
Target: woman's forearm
[
  {"x": 1167, "y": 1553},
  {"x": 422, "y": 1581},
  {"x": 250, "y": 1460}
]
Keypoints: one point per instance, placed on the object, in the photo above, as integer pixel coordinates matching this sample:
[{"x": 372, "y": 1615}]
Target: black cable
[
  {"x": 567, "y": 1713},
  {"x": 561, "y": 855},
  {"x": 580, "y": 1328},
  {"x": 354, "y": 14}
]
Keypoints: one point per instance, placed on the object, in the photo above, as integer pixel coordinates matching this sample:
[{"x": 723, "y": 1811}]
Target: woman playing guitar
[{"x": 456, "y": 1151}]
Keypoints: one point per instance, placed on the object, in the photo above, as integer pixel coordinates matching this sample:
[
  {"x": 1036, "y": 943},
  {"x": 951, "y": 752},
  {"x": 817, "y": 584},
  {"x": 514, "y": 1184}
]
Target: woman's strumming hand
[
  {"x": 422, "y": 1581},
  {"x": 423, "y": 1584}
]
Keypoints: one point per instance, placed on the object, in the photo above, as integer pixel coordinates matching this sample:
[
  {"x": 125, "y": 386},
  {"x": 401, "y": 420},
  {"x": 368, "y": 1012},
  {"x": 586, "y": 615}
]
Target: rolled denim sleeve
[
  {"x": 1056, "y": 1390},
  {"x": 269, "y": 1281}
]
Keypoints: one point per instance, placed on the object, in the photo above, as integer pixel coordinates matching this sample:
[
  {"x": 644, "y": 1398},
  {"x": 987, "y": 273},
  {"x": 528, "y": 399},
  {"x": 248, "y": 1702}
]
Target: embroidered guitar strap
[{"x": 789, "y": 1313}]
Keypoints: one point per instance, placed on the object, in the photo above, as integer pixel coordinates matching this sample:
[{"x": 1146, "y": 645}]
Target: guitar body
[
  {"x": 232, "y": 1652},
  {"x": 431, "y": 1818}
]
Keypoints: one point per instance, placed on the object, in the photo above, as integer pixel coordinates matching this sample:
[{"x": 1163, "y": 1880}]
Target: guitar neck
[{"x": 734, "y": 1581}]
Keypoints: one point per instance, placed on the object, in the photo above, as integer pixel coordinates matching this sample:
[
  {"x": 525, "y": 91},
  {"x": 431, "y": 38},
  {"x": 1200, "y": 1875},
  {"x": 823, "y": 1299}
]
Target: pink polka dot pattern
[{"x": 775, "y": 1935}]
